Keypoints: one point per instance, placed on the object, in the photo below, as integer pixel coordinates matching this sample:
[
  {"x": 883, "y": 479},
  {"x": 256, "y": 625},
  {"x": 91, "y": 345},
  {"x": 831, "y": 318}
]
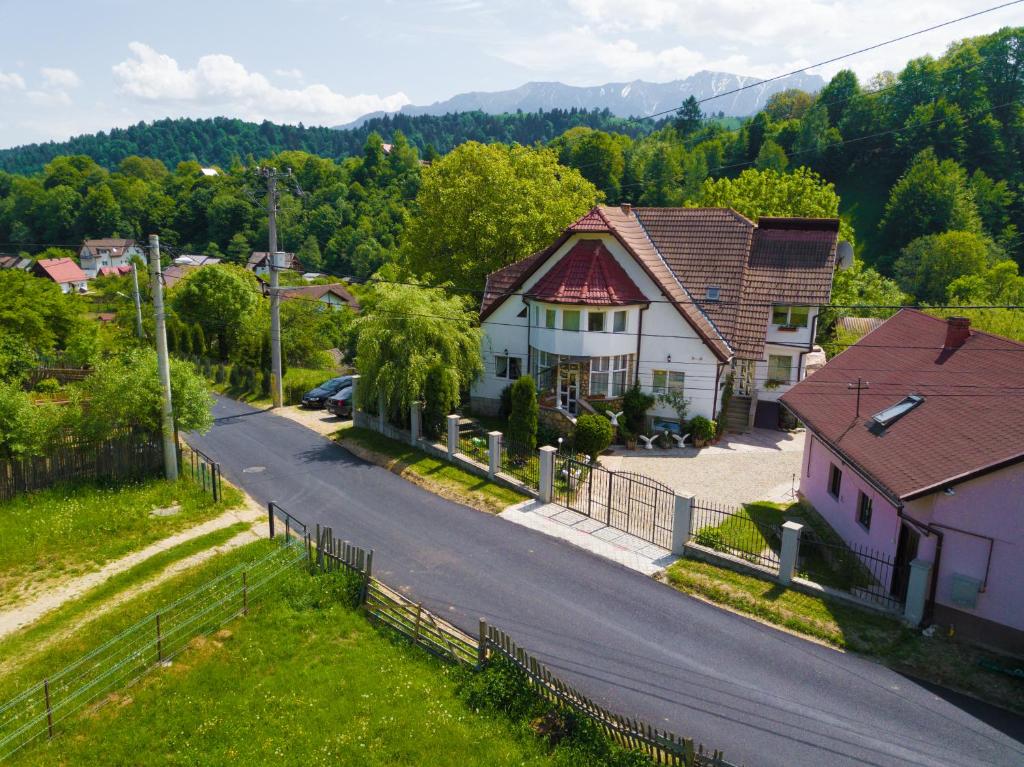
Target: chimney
[
  {"x": 626, "y": 208},
  {"x": 958, "y": 330}
]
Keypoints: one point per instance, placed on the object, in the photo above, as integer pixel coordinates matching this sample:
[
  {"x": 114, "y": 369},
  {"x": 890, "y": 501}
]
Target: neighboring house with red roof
[
  {"x": 259, "y": 263},
  {"x": 108, "y": 252},
  {"x": 334, "y": 295},
  {"x": 667, "y": 298},
  {"x": 64, "y": 271},
  {"x": 932, "y": 468}
]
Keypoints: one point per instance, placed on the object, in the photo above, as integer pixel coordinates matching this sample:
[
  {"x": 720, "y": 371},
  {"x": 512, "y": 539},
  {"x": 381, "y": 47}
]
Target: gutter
[
  {"x": 929, "y": 530},
  {"x": 639, "y": 338}
]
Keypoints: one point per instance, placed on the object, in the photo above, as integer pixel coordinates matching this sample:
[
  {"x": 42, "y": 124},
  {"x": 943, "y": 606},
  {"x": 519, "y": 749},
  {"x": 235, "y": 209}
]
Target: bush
[
  {"x": 522, "y": 422},
  {"x": 593, "y": 434},
  {"x": 505, "y": 406},
  {"x": 259, "y": 381},
  {"x": 234, "y": 379},
  {"x": 47, "y": 386},
  {"x": 711, "y": 537},
  {"x": 219, "y": 374},
  {"x": 548, "y": 435},
  {"x": 635, "y": 404},
  {"x": 703, "y": 429}
]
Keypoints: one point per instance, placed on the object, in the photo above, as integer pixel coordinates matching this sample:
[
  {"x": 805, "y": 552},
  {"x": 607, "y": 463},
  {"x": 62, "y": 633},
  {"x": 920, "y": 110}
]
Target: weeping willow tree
[{"x": 416, "y": 344}]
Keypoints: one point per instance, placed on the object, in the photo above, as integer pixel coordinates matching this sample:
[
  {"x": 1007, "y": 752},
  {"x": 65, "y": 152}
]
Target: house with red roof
[
  {"x": 334, "y": 296},
  {"x": 100, "y": 256},
  {"x": 915, "y": 448},
  {"x": 670, "y": 299},
  {"x": 64, "y": 271}
]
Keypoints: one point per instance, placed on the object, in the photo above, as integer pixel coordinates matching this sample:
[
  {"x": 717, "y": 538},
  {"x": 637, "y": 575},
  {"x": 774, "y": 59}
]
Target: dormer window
[
  {"x": 791, "y": 317},
  {"x": 893, "y": 413},
  {"x": 713, "y": 292}
]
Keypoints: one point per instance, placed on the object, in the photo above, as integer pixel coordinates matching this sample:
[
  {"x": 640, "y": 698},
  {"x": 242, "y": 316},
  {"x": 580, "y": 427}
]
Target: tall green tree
[
  {"x": 522, "y": 420},
  {"x": 483, "y": 207},
  {"x": 220, "y": 299},
  {"x": 927, "y": 266},
  {"x": 689, "y": 117}
]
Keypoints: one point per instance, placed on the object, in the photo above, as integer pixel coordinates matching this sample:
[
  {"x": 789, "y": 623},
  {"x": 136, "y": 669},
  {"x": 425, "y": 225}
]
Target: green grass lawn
[
  {"x": 298, "y": 682},
  {"x": 435, "y": 474},
  {"x": 71, "y": 529},
  {"x": 736, "y": 533}
]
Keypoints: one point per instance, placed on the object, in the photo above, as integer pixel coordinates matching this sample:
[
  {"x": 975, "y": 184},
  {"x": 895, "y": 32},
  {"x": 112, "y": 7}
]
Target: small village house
[
  {"x": 64, "y": 271},
  {"x": 931, "y": 467},
  {"x": 259, "y": 263},
  {"x": 334, "y": 296},
  {"x": 108, "y": 253},
  {"x": 184, "y": 264},
  {"x": 670, "y": 299}
]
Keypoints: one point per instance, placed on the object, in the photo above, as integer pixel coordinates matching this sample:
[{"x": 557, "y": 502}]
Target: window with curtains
[
  {"x": 664, "y": 381},
  {"x": 609, "y": 376},
  {"x": 780, "y": 368},
  {"x": 508, "y": 367}
]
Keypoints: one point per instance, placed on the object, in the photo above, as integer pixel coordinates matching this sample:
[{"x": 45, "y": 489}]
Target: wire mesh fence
[
  {"x": 39, "y": 710},
  {"x": 862, "y": 572},
  {"x": 520, "y": 462},
  {"x": 202, "y": 469},
  {"x": 473, "y": 443},
  {"x": 738, "y": 531}
]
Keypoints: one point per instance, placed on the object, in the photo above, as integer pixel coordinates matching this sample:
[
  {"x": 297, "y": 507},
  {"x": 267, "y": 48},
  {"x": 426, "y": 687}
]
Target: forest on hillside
[
  {"x": 924, "y": 165},
  {"x": 222, "y": 141}
]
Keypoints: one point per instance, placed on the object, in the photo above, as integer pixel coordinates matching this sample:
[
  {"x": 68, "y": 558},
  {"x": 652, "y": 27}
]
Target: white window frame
[
  {"x": 789, "y": 369},
  {"x": 616, "y": 316},
  {"x": 595, "y": 315},
  {"x": 506, "y": 361},
  {"x": 671, "y": 380},
  {"x": 613, "y": 371},
  {"x": 579, "y": 317},
  {"x": 789, "y": 323}
]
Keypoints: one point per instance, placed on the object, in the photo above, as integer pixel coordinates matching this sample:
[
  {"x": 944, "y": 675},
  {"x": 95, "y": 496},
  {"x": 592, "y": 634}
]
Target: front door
[
  {"x": 568, "y": 378},
  {"x": 906, "y": 552}
]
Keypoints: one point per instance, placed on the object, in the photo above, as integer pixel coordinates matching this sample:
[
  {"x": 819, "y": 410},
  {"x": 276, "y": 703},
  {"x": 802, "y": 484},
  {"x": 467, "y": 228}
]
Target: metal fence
[
  {"x": 198, "y": 466},
  {"x": 870, "y": 575},
  {"x": 473, "y": 443},
  {"x": 737, "y": 531},
  {"x": 129, "y": 454},
  {"x": 520, "y": 462},
  {"x": 630, "y": 502},
  {"x": 40, "y": 709}
]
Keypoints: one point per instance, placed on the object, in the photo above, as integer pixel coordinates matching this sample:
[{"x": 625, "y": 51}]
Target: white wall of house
[
  {"x": 91, "y": 261},
  {"x": 781, "y": 341},
  {"x": 668, "y": 342}
]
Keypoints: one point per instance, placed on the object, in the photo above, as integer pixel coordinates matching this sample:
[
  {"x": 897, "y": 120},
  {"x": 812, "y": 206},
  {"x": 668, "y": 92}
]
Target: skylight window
[
  {"x": 713, "y": 292},
  {"x": 895, "y": 412}
]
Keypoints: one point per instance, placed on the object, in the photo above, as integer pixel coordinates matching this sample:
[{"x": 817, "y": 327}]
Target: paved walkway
[
  {"x": 319, "y": 421},
  {"x": 591, "y": 535},
  {"x": 761, "y": 465}
]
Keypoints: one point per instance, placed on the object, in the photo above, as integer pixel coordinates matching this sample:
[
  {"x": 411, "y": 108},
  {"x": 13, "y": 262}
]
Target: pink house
[{"x": 932, "y": 465}]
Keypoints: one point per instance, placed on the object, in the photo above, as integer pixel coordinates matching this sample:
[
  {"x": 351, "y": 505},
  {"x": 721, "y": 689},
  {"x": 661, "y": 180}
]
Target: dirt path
[{"x": 28, "y": 612}]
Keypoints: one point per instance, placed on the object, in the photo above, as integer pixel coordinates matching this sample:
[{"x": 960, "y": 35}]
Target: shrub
[
  {"x": 635, "y": 404},
  {"x": 259, "y": 381},
  {"x": 548, "y": 435},
  {"x": 198, "y": 340},
  {"x": 505, "y": 406},
  {"x": 250, "y": 379},
  {"x": 264, "y": 380},
  {"x": 711, "y": 537},
  {"x": 593, "y": 434},
  {"x": 522, "y": 421},
  {"x": 434, "y": 412},
  {"x": 47, "y": 386},
  {"x": 234, "y": 377},
  {"x": 219, "y": 374},
  {"x": 702, "y": 428}
]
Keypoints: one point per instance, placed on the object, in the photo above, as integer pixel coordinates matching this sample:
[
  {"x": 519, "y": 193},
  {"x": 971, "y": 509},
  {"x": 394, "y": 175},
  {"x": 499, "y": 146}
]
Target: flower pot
[
  {"x": 631, "y": 443},
  {"x": 699, "y": 442}
]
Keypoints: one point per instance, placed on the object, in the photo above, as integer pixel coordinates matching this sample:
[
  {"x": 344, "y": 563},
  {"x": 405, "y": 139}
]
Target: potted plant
[
  {"x": 702, "y": 430},
  {"x": 628, "y": 437}
]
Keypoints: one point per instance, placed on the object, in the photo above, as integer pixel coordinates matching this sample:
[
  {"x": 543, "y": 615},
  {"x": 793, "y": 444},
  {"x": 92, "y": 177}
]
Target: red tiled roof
[
  {"x": 316, "y": 292},
  {"x": 107, "y": 271},
  {"x": 971, "y": 420},
  {"x": 587, "y": 274},
  {"x": 60, "y": 270}
]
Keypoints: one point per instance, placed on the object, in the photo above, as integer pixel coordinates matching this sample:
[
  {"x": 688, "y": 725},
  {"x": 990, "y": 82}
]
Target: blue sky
[{"x": 74, "y": 67}]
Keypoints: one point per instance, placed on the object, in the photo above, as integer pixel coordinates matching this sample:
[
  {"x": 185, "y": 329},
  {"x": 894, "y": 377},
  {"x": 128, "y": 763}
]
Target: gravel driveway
[{"x": 757, "y": 466}]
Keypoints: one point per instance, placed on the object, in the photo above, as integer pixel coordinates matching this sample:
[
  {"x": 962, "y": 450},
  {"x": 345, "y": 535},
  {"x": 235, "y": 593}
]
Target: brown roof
[
  {"x": 15, "y": 262},
  {"x": 686, "y": 251},
  {"x": 970, "y": 421},
  {"x": 116, "y": 245},
  {"x": 316, "y": 292},
  {"x": 174, "y": 273},
  {"x": 60, "y": 270},
  {"x": 588, "y": 274}
]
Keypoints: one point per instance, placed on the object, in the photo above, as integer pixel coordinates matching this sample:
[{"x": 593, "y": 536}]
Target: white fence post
[
  {"x": 790, "y": 551},
  {"x": 917, "y": 592},
  {"x": 453, "y": 436},
  {"x": 547, "y": 473},
  {"x": 493, "y": 453},
  {"x": 415, "y": 423},
  {"x": 681, "y": 523},
  {"x": 357, "y": 409}
]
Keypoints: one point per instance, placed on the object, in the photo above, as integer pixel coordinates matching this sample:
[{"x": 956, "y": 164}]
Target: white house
[
  {"x": 110, "y": 252},
  {"x": 334, "y": 295},
  {"x": 64, "y": 271},
  {"x": 665, "y": 298}
]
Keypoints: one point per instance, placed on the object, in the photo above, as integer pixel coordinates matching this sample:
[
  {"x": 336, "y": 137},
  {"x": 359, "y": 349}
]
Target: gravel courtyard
[{"x": 757, "y": 466}]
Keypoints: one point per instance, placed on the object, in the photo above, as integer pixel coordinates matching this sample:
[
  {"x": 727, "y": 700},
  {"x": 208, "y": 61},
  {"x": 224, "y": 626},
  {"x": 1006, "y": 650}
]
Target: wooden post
[
  {"x": 288, "y": 529},
  {"x": 159, "y": 642},
  {"x": 270, "y": 518},
  {"x": 366, "y": 577},
  {"x": 419, "y": 613},
  {"x": 49, "y": 710},
  {"x": 481, "y": 648},
  {"x": 319, "y": 548},
  {"x": 245, "y": 594}
]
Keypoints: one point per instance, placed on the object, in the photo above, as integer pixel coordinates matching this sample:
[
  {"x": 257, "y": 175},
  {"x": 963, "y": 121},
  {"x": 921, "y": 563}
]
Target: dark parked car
[
  {"x": 317, "y": 397},
  {"x": 341, "y": 403}
]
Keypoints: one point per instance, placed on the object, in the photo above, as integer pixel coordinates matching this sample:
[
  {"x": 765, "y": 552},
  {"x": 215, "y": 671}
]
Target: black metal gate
[{"x": 630, "y": 502}]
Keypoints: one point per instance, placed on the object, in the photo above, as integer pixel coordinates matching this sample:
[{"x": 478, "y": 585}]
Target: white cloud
[
  {"x": 220, "y": 85},
  {"x": 292, "y": 74},
  {"x": 57, "y": 78},
  {"x": 11, "y": 81},
  {"x": 49, "y": 98}
]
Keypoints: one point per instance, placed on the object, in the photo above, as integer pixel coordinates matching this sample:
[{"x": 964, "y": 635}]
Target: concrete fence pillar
[
  {"x": 681, "y": 523},
  {"x": 790, "y": 551},
  {"x": 453, "y": 435},
  {"x": 415, "y": 423},
  {"x": 917, "y": 592},
  {"x": 493, "y": 453},
  {"x": 547, "y": 473},
  {"x": 356, "y": 405}
]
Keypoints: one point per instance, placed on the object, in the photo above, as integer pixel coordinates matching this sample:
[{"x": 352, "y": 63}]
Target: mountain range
[{"x": 633, "y": 99}]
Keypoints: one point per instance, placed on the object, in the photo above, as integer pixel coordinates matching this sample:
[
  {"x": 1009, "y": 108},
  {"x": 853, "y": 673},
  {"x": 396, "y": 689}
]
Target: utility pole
[
  {"x": 163, "y": 364},
  {"x": 859, "y": 386},
  {"x": 138, "y": 300},
  {"x": 276, "y": 384}
]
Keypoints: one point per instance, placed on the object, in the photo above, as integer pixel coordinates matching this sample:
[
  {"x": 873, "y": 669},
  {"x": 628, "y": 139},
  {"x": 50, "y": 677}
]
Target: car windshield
[{"x": 344, "y": 394}]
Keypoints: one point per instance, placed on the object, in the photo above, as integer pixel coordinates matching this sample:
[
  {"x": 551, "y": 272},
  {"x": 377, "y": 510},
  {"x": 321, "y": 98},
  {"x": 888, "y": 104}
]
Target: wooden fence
[
  {"x": 439, "y": 637},
  {"x": 63, "y": 375},
  {"x": 132, "y": 454}
]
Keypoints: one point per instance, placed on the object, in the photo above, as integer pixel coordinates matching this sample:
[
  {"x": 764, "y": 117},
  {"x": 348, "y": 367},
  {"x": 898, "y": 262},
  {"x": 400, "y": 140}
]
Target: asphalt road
[{"x": 636, "y": 646}]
